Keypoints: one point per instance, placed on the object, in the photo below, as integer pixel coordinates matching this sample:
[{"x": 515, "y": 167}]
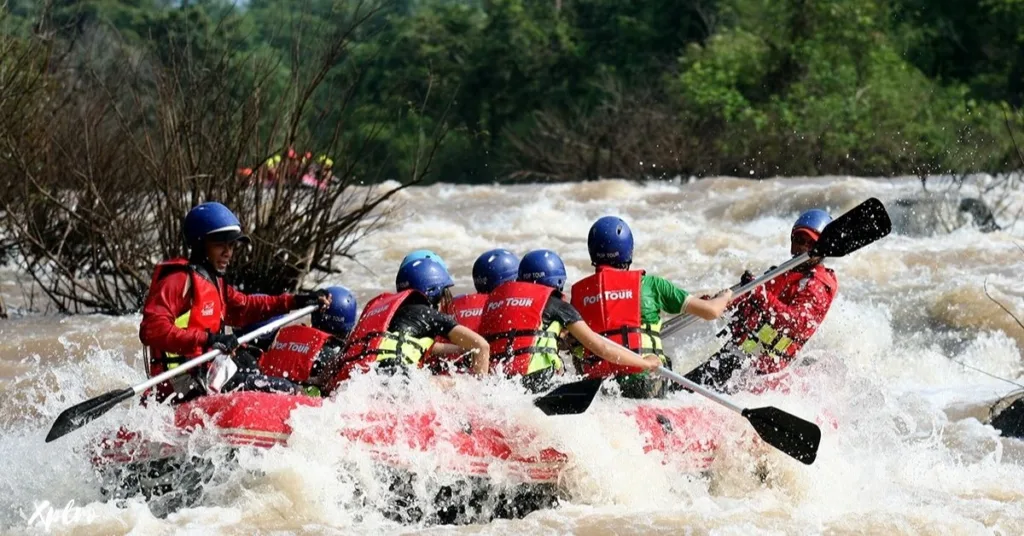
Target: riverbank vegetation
[{"x": 581, "y": 89}]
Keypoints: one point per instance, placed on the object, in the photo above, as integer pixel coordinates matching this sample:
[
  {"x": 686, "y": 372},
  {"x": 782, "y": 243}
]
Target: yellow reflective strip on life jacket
[
  {"x": 767, "y": 334},
  {"x": 766, "y": 340},
  {"x": 548, "y": 357},
  {"x": 388, "y": 349},
  {"x": 783, "y": 343},
  {"x": 180, "y": 322},
  {"x": 650, "y": 339},
  {"x": 411, "y": 349}
]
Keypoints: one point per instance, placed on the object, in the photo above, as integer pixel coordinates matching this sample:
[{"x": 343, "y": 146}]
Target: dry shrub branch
[{"x": 105, "y": 146}]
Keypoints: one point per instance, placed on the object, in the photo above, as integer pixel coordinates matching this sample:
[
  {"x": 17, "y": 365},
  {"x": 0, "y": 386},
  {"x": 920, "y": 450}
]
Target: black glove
[
  {"x": 254, "y": 381},
  {"x": 247, "y": 358},
  {"x": 317, "y": 297},
  {"x": 746, "y": 277},
  {"x": 221, "y": 341}
]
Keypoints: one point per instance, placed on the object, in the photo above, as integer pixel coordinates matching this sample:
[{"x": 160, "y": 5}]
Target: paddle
[
  {"x": 790, "y": 434},
  {"x": 570, "y": 398},
  {"x": 862, "y": 225},
  {"x": 786, "y": 432},
  {"x": 78, "y": 415}
]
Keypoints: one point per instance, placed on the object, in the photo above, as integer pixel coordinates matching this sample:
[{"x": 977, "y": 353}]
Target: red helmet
[{"x": 812, "y": 223}]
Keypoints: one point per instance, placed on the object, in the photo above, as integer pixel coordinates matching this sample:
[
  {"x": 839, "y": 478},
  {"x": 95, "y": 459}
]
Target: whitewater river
[{"x": 911, "y": 455}]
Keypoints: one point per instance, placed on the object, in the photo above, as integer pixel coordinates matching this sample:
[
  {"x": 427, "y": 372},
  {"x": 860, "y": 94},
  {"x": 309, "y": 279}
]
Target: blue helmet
[
  {"x": 610, "y": 241},
  {"x": 424, "y": 254},
  {"x": 427, "y": 276},
  {"x": 543, "y": 266},
  {"x": 494, "y": 268},
  {"x": 340, "y": 317},
  {"x": 212, "y": 221},
  {"x": 813, "y": 222}
]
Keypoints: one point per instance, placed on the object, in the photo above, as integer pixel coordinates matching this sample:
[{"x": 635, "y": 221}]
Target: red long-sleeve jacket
[
  {"x": 791, "y": 306},
  {"x": 168, "y": 300}
]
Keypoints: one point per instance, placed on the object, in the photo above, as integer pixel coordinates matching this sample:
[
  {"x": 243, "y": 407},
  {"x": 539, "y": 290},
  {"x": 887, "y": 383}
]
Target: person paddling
[
  {"x": 524, "y": 320},
  {"x": 626, "y": 305},
  {"x": 490, "y": 270},
  {"x": 772, "y": 323},
  {"x": 397, "y": 330},
  {"x": 445, "y": 303},
  {"x": 189, "y": 304},
  {"x": 299, "y": 358}
]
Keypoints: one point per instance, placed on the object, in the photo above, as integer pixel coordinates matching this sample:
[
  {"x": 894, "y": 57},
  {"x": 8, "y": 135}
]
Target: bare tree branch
[
  {"x": 107, "y": 146},
  {"x": 1001, "y": 306}
]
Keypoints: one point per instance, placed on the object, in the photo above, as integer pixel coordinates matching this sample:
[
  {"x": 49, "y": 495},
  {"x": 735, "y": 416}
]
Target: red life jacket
[
  {"x": 206, "y": 313},
  {"x": 468, "y": 310},
  {"x": 370, "y": 340},
  {"x": 771, "y": 338},
  {"x": 609, "y": 302},
  {"x": 294, "y": 352},
  {"x": 513, "y": 325}
]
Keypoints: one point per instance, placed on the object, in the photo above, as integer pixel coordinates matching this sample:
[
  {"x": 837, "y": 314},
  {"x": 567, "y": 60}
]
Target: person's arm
[
  {"x": 608, "y": 350},
  {"x": 167, "y": 301},
  {"x": 243, "y": 309},
  {"x": 674, "y": 300},
  {"x": 471, "y": 341},
  {"x": 433, "y": 323},
  {"x": 446, "y": 349},
  {"x": 709, "y": 308}
]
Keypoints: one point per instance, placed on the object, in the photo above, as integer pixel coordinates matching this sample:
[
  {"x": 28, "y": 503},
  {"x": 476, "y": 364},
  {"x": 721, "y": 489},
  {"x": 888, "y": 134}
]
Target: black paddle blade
[
  {"x": 786, "y": 432},
  {"x": 857, "y": 228},
  {"x": 78, "y": 415},
  {"x": 569, "y": 399}
]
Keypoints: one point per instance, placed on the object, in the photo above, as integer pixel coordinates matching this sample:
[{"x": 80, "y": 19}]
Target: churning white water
[{"x": 911, "y": 454}]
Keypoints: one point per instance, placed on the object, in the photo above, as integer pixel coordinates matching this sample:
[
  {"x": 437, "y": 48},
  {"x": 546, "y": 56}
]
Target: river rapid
[{"x": 912, "y": 453}]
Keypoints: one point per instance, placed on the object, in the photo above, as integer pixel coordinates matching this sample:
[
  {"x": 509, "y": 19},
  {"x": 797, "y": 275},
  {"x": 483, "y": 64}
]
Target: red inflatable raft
[{"x": 475, "y": 451}]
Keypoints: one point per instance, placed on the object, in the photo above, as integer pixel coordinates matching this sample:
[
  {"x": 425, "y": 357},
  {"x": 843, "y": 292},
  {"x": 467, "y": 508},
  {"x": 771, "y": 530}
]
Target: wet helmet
[
  {"x": 543, "y": 266},
  {"x": 423, "y": 254},
  {"x": 494, "y": 268},
  {"x": 610, "y": 242},
  {"x": 340, "y": 317},
  {"x": 812, "y": 222},
  {"x": 428, "y": 277},
  {"x": 213, "y": 222}
]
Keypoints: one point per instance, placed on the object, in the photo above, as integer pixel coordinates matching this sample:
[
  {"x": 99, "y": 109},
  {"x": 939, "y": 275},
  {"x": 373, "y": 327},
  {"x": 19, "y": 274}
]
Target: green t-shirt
[{"x": 658, "y": 294}]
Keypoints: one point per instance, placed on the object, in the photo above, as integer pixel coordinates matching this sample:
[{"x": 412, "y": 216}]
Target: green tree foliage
[
  {"x": 979, "y": 43},
  {"x": 553, "y": 88},
  {"x": 801, "y": 87}
]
